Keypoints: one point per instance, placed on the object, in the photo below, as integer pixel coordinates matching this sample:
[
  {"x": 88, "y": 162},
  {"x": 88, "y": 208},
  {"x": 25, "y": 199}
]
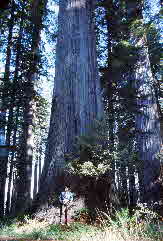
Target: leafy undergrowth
[{"x": 122, "y": 228}]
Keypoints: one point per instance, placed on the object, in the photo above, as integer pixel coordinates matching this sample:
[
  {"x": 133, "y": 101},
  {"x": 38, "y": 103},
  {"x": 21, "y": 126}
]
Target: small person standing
[{"x": 65, "y": 200}]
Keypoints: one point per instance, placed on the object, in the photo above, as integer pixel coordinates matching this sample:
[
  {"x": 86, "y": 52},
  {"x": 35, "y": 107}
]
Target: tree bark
[
  {"x": 76, "y": 98},
  {"x": 147, "y": 122}
]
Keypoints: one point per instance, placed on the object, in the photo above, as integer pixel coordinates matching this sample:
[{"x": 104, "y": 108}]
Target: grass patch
[
  {"x": 43, "y": 230},
  {"x": 142, "y": 226}
]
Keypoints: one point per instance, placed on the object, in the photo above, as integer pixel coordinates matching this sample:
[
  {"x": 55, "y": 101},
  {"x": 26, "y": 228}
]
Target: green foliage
[
  {"x": 24, "y": 218},
  {"x": 154, "y": 47},
  {"x": 81, "y": 213},
  {"x": 122, "y": 219},
  {"x": 143, "y": 223},
  {"x": 124, "y": 55},
  {"x": 137, "y": 27},
  {"x": 7, "y": 229},
  {"x": 73, "y": 232},
  {"x": 94, "y": 157}
]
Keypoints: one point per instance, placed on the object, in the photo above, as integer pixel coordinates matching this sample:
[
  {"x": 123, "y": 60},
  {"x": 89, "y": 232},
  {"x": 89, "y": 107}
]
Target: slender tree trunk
[
  {"x": 3, "y": 143},
  {"x": 131, "y": 176},
  {"x": 3, "y": 162},
  {"x": 110, "y": 17},
  {"x": 35, "y": 179},
  {"x": 40, "y": 159},
  {"x": 113, "y": 21},
  {"x": 14, "y": 195},
  {"x": 13, "y": 94},
  {"x": 76, "y": 99},
  {"x": 8, "y": 202}
]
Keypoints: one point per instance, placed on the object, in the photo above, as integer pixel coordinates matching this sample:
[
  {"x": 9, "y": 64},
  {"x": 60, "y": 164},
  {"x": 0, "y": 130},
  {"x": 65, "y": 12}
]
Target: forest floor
[
  {"x": 41, "y": 226},
  {"x": 75, "y": 232}
]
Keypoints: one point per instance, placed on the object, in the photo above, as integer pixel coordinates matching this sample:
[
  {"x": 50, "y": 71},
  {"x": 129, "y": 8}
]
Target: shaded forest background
[{"x": 104, "y": 135}]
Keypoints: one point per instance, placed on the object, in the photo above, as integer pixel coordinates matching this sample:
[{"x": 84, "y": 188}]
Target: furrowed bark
[
  {"x": 147, "y": 123},
  {"x": 76, "y": 99}
]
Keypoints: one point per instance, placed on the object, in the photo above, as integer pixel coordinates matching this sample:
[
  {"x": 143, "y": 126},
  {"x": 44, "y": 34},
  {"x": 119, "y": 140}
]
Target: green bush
[
  {"x": 143, "y": 223},
  {"x": 81, "y": 213}
]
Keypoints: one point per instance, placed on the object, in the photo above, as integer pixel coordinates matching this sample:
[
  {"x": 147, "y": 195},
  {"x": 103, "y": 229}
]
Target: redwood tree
[
  {"x": 147, "y": 123},
  {"x": 76, "y": 99}
]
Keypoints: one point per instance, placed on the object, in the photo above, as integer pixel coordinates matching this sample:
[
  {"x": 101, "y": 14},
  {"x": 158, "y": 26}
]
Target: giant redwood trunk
[
  {"x": 147, "y": 124},
  {"x": 76, "y": 99}
]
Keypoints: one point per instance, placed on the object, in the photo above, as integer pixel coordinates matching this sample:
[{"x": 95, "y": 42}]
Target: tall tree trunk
[
  {"x": 110, "y": 16},
  {"x": 26, "y": 153},
  {"x": 3, "y": 144},
  {"x": 147, "y": 122},
  {"x": 76, "y": 99},
  {"x": 14, "y": 90},
  {"x": 113, "y": 15},
  {"x": 3, "y": 161},
  {"x": 24, "y": 165}
]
